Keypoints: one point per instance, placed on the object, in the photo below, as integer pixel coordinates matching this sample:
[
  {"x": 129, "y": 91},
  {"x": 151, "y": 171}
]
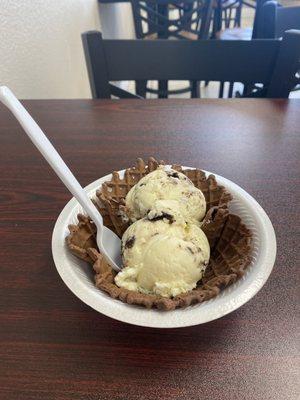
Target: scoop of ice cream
[
  {"x": 163, "y": 254},
  {"x": 163, "y": 184}
]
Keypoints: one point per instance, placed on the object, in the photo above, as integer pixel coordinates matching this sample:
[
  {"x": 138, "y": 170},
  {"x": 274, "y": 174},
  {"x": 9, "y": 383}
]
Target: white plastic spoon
[{"x": 108, "y": 242}]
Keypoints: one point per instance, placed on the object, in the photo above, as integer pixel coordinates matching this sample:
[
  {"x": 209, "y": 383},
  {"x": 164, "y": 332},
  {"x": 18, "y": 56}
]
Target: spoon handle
[{"x": 50, "y": 154}]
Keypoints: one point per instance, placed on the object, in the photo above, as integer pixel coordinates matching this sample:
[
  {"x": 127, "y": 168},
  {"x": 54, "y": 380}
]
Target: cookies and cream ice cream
[
  {"x": 166, "y": 184},
  {"x": 162, "y": 253}
]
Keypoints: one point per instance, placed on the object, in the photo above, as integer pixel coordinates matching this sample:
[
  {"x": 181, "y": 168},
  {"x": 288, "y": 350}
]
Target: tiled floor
[{"x": 211, "y": 91}]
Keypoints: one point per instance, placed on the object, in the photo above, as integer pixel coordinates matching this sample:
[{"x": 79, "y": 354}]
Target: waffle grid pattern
[{"x": 229, "y": 238}]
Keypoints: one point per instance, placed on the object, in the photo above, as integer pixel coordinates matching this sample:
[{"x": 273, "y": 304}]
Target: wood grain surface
[{"x": 52, "y": 346}]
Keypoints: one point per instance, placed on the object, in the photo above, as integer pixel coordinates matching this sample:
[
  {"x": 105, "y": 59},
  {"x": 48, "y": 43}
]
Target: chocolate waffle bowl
[{"x": 241, "y": 239}]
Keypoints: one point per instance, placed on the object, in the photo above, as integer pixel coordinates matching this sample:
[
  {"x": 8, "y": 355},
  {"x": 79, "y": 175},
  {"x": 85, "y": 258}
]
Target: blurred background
[{"x": 41, "y": 50}]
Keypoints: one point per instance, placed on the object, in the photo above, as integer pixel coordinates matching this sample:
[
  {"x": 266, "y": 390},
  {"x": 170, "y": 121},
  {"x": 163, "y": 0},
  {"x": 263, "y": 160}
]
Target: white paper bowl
[{"x": 79, "y": 277}]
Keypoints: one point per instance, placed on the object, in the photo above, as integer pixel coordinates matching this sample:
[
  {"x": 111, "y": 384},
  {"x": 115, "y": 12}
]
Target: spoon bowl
[{"x": 112, "y": 244}]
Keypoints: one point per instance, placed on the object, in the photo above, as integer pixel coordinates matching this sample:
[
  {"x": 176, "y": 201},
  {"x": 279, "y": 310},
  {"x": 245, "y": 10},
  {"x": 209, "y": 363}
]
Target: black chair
[
  {"x": 189, "y": 20},
  {"x": 275, "y": 20},
  {"x": 163, "y": 19},
  {"x": 226, "y": 15},
  {"x": 272, "y": 63},
  {"x": 231, "y": 13},
  {"x": 240, "y": 33}
]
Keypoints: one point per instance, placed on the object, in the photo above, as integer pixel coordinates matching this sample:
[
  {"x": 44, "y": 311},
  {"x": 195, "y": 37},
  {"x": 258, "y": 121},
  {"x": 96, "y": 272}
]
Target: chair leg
[
  {"x": 217, "y": 18},
  {"x": 238, "y": 15},
  {"x": 195, "y": 92},
  {"x": 246, "y": 89},
  {"x": 221, "y": 90},
  {"x": 230, "y": 91},
  {"x": 162, "y": 89},
  {"x": 141, "y": 88}
]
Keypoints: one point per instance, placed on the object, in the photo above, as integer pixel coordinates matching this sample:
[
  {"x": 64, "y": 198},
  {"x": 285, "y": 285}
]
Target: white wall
[{"x": 41, "y": 53}]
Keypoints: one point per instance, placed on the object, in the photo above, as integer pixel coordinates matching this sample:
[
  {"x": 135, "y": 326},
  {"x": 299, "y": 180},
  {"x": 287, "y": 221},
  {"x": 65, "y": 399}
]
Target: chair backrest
[
  {"x": 257, "y": 18},
  {"x": 163, "y": 19},
  {"x": 275, "y": 20},
  {"x": 270, "y": 62}
]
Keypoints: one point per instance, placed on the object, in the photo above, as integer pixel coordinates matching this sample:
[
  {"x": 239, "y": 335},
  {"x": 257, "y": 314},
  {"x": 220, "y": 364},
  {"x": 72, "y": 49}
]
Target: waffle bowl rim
[{"x": 133, "y": 314}]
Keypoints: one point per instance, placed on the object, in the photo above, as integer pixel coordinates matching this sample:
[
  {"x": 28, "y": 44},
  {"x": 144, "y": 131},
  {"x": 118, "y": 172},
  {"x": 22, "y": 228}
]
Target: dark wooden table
[{"x": 55, "y": 347}]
